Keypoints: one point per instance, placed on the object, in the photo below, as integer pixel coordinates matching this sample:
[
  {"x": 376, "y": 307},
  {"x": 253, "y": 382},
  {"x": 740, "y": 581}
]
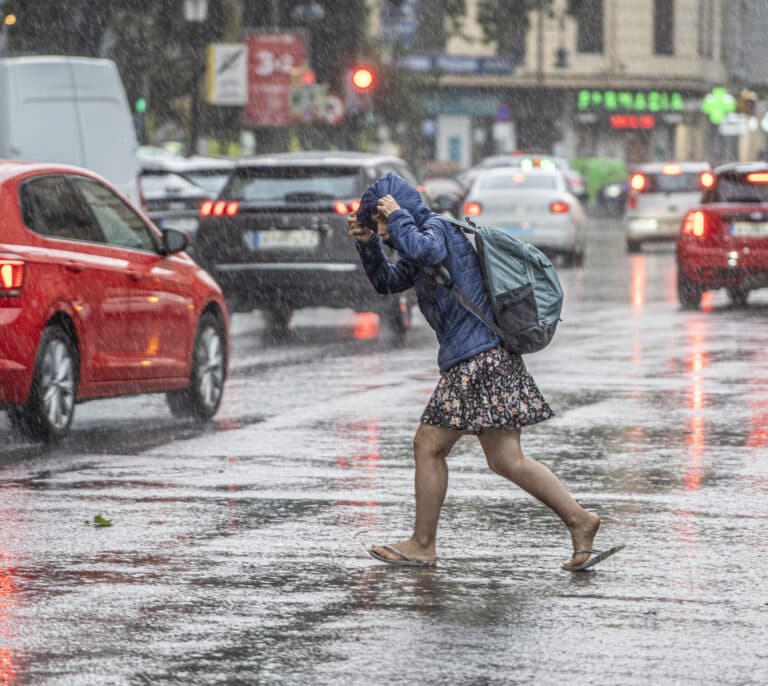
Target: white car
[
  {"x": 530, "y": 160},
  {"x": 660, "y": 195},
  {"x": 536, "y": 203}
]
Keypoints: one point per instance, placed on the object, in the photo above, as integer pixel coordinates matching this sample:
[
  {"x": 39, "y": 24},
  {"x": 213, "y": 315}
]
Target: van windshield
[{"x": 293, "y": 184}]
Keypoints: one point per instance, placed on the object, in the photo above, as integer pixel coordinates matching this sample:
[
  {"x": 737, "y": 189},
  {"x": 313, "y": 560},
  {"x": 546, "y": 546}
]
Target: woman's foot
[
  {"x": 409, "y": 549},
  {"x": 582, "y": 534}
]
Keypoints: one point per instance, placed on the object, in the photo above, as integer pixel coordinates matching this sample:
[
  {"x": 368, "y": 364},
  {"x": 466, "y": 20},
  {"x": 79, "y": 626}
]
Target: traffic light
[
  {"x": 363, "y": 79},
  {"x": 359, "y": 85},
  {"x": 140, "y": 119}
]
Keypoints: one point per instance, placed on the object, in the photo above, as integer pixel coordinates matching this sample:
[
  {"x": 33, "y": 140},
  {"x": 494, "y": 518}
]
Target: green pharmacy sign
[
  {"x": 717, "y": 104},
  {"x": 629, "y": 101}
]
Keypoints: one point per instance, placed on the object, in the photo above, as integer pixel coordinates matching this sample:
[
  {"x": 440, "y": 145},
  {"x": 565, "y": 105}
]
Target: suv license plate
[
  {"x": 288, "y": 238},
  {"x": 749, "y": 229}
]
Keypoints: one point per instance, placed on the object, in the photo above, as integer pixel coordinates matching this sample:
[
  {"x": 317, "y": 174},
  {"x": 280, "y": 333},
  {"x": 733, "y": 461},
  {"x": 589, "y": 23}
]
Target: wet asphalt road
[{"x": 235, "y": 554}]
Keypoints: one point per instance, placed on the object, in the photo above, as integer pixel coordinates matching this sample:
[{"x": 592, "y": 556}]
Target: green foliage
[
  {"x": 505, "y": 22},
  {"x": 599, "y": 172},
  {"x": 99, "y": 521}
]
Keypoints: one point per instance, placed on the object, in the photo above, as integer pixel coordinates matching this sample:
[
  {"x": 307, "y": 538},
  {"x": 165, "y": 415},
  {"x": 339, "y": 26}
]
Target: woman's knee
[
  {"x": 430, "y": 443},
  {"x": 503, "y": 454}
]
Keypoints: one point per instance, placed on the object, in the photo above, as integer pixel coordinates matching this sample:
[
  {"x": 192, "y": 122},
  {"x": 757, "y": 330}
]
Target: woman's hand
[
  {"x": 387, "y": 205},
  {"x": 357, "y": 231}
]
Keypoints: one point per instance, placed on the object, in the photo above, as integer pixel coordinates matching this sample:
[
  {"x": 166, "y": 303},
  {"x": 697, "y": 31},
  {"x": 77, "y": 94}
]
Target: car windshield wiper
[{"x": 307, "y": 196}]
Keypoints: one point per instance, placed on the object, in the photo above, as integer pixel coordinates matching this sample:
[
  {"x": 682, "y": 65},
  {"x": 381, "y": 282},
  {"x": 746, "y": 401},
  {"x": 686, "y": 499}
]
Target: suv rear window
[
  {"x": 736, "y": 187},
  {"x": 687, "y": 182},
  {"x": 293, "y": 184}
]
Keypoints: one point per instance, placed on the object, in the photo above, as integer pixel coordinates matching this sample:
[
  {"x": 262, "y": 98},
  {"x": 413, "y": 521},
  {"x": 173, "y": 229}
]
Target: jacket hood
[{"x": 406, "y": 196}]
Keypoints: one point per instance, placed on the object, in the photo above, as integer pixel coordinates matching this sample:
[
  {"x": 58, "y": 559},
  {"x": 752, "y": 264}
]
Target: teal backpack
[{"x": 522, "y": 285}]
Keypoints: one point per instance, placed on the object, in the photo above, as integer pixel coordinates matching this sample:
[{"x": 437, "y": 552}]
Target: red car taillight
[
  {"x": 699, "y": 224},
  {"x": 632, "y": 201},
  {"x": 472, "y": 209},
  {"x": 11, "y": 276},
  {"x": 559, "y": 207},
  {"x": 219, "y": 208}
]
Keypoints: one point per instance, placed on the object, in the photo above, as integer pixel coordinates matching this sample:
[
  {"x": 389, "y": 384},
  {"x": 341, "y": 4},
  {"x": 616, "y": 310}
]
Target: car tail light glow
[
  {"x": 472, "y": 209},
  {"x": 559, "y": 207},
  {"x": 698, "y": 224},
  {"x": 206, "y": 207},
  {"x": 346, "y": 206},
  {"x": 707, "y": 180},
  {"x": 638, "y": 182},
  {"x": 218, "y": 208},
  {"x": 11, "y": 275},
  {"x": 758, "y": 177},
  {"x": 671, "y": 169},
  {"x": 232, "y": 208}
]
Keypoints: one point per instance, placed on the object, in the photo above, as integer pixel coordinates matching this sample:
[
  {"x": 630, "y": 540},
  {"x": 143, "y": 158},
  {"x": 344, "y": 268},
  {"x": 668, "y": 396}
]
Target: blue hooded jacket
[{"x": 423, "y": 239}]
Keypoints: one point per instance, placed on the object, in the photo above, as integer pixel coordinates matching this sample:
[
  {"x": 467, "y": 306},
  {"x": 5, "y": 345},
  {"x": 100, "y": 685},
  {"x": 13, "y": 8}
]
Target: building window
[
  {"x": 663, "y": 27},
  {"x": 706, "y": 28},
  {"x": 589, "y": 22}
]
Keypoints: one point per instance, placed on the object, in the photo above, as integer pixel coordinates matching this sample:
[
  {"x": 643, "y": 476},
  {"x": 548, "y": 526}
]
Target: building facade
[{"x": 618, "y": 79}]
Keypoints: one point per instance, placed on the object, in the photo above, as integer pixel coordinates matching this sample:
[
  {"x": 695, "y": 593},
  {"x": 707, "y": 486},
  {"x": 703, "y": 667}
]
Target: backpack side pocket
[{"x": 516, "y": 309}]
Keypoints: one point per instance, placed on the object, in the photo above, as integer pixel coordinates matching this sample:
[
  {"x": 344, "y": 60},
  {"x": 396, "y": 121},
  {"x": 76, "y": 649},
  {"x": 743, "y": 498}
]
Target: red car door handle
[{"x": 73, "y": 267}]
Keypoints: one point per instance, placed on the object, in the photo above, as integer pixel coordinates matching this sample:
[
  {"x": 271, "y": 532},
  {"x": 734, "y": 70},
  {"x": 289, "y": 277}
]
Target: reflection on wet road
[{"x": 236, "y": 556}]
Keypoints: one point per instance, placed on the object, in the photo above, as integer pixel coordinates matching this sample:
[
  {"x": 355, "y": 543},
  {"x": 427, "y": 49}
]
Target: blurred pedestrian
[{"x": 483, "y": 389}]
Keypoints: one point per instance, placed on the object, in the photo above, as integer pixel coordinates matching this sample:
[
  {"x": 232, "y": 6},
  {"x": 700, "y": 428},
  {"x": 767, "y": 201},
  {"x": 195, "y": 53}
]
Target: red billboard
[{"x": 271, "y": 60}]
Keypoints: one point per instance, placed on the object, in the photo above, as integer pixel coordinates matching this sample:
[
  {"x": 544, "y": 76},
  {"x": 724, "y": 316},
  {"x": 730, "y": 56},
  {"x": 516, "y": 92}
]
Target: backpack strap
[
  {"x": 443, "y": 277},
  {"x": 467, "y": 226}
]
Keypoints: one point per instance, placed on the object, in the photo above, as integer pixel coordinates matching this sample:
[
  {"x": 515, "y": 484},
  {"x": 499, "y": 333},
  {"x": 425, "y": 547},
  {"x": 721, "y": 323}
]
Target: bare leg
[
  {"x": 431, "y": 446},
  {"x": 505, "y": 457}
]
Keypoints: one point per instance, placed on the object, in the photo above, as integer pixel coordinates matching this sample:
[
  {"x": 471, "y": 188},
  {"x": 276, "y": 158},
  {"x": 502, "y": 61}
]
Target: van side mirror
[{"x": 174, "y": 241}]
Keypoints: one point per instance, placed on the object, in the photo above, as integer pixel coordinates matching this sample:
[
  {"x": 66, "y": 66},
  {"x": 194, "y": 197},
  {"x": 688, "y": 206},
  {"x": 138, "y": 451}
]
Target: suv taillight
[
  {"x": 698, "y": 224},
  {"x": 11, "y": 276},
  {"x": 219, "y": 208}
]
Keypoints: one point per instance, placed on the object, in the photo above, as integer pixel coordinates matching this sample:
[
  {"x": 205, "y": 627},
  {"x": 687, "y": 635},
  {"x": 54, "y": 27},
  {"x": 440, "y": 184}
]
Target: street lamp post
[{"x": 195, "y": 13}]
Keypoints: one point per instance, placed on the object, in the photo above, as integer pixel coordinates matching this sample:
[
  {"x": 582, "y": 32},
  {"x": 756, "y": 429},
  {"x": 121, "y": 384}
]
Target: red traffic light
[{"x": 362, "y": 78}]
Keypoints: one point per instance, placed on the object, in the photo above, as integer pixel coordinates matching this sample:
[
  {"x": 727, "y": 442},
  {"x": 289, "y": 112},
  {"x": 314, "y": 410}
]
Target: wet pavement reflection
[{"x": 236, "y": 551}]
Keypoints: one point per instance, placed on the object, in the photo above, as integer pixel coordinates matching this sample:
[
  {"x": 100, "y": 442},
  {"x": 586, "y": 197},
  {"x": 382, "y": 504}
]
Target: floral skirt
[{"x": 492, "y": 390}]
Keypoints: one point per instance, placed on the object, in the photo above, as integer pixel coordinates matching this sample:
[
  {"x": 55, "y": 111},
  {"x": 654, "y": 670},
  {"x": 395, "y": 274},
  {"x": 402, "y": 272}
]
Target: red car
[
  {"x": 723, "y": 243},
  {"x": 96, "y": 302}
]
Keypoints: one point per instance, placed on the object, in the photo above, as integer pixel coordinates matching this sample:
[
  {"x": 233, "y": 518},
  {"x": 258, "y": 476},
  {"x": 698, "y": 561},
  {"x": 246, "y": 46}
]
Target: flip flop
[
  {"x": 595, "y": 557},
  {"x": 404, "y": 560}
]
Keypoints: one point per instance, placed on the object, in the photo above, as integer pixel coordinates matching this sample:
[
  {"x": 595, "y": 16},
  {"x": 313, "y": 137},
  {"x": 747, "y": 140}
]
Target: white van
[{"x": 71, "y": 110}]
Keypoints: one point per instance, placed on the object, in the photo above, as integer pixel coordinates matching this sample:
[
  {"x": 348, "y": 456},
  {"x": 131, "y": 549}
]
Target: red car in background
[
  {"x": 95, "y": 302},
  {"x": 723, "y": 243}
]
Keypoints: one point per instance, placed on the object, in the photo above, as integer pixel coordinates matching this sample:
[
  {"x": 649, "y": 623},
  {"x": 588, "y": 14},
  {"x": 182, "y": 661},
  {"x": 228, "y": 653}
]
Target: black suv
[{"x": 276, "y": 237}]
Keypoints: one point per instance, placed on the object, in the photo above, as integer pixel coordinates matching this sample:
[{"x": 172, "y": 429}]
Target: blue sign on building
[{"x": 458, "y": 64}]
